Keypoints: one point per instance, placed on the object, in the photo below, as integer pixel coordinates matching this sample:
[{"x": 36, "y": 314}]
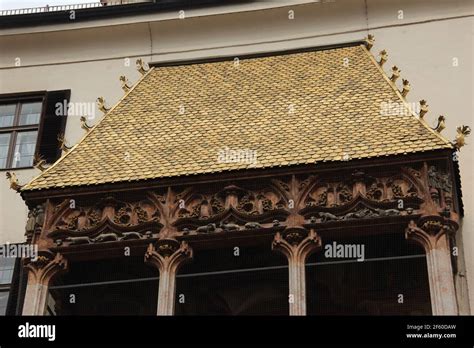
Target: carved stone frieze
[
  {"x": 361, "y": 213},
  {"x": 270, "y": 204}
]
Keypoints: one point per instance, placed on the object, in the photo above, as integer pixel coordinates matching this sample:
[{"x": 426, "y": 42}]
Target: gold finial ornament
[
  {"x": 62, "y": 143},
  {"x": 39, "y": 162},
  {"x": 395, "y": 74},
  {"x": 84, "y": 124},
  {"x": 383, "y": 57},
  {"x": 369, "y": 41},
  {"x": 142, "y": 67},
  {"x": 406, "y": 87},
  {"x": 125, "y": 84},
  {"x": 101, "y": 105},
  {"x": 463, "y": 132},
  {"x": 441, "y": 124},
  {"x": 423, "y": 108},
  {"x": 14, "y": 185}
]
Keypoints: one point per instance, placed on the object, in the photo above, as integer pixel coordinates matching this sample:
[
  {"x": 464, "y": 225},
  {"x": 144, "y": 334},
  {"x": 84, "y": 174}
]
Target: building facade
[{"x": 78, "y": 56}]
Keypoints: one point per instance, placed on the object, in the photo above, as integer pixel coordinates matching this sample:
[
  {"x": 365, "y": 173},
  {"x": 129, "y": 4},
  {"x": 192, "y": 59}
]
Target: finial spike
[
  {"x": 441, "y": 124},
  {"x": 125, "y": 84},
  {"x": 101, "y": 105},
  {"x": 39, "y": 162},
  {"x": 142, "y": 67},
  {"x": 62, "y": 143},
  {"x": 395, "y": 74},
  {"x": 369, "y": 41},
  {"x": 406, "y": 87},
  {"x": 383, "y": 57},
  {"x": 84, "y": 124},
  {"x": 14, "y": 185},
  {"x": 462, "y": 133},
  {"x": 423, "y": 108}
]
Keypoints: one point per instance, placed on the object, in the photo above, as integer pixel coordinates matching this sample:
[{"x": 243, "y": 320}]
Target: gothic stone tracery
[{"x": 287, "y": 201}]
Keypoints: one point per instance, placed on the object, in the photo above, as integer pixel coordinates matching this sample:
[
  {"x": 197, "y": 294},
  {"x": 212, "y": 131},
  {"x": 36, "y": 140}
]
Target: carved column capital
[
  {"x": 45, "y": 267},
  {"x": 296, "y": 243},
  {"x": 168, "y": 253},
  {"x": 429, "y": 230},
  {"x": 40, "y": 273},
  {"x": 432, "y": 233}
]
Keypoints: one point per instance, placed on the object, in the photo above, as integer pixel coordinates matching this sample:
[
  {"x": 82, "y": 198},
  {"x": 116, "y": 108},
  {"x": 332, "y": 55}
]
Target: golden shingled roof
[{"x": 299, "y": 108}]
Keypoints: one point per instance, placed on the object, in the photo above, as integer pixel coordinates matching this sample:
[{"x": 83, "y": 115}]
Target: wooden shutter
[{"x": 52, "y": 125}]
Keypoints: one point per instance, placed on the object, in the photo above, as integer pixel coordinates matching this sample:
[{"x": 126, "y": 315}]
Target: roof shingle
[{"x": 300, "y": 108}]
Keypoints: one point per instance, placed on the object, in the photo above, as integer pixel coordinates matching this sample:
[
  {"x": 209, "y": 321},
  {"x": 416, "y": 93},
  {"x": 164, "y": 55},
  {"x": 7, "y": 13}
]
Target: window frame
[
  {"x": 18, "y": 99},
  {"x": 5, "y": 289}
]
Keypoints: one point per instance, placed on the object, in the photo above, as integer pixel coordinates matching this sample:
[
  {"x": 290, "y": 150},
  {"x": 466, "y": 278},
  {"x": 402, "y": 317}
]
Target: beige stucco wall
[{"x": 89, "y": 59}]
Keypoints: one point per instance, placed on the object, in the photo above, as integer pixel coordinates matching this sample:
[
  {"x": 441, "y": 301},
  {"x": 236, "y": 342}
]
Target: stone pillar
[
  {"x": 432, "y": 234},
  {"x": 167, "y": 256},
  {"x": 40, "y": 273},
  {"x": 296, "y": 244}
]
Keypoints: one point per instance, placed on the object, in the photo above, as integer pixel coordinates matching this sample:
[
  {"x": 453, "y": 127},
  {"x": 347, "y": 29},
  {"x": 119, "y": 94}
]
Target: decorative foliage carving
[
  {"x": 246, "y": 205},
  {"x": 142, "y": 215},
  {"x": 401, "y": 188},
  {"x": 344, "y": 194},
  {"x": 277, "y": 204},
  {"x": 375, "y": 192},
  {"x": 123, "y": 216},
  {"x": 201, "y": 207},
  {"x": 439, "y": 180},
  {"x": 317, "y": 197}
]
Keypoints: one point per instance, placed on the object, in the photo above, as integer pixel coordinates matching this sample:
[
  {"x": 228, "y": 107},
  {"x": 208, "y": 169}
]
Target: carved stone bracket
[
  {"x": 432, "y": 233},
  {"x": 167, "y": 255},
  {"x": 40, "y": 273},
  {"x": 296, "y": 244}
]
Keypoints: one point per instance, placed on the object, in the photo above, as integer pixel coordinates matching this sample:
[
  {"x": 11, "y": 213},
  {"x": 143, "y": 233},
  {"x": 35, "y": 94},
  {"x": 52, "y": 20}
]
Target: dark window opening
[
  {"x": 391, "y": 280},
  {"x": 230, "y": 281},
  {"x": 123, "y": 286}
]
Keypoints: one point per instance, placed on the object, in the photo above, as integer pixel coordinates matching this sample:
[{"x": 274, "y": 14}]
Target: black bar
[{"x": 257, "y": 330}]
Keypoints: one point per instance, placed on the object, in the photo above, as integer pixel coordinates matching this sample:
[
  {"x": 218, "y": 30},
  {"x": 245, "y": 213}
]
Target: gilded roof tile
[{"x": 300, "y": 108}]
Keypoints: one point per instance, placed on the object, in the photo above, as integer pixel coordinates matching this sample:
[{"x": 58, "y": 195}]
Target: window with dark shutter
[
  {"x": 29, "y": 127},
  {"x": 53, "y": 124}
]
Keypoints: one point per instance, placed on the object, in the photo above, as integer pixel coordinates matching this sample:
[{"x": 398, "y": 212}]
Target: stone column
[
  {"x": 296, "y": 244},
  {"x": 432, "y": 234},
  {"x": 40, "y": 273},
  {"x": 167, "y": 256}
]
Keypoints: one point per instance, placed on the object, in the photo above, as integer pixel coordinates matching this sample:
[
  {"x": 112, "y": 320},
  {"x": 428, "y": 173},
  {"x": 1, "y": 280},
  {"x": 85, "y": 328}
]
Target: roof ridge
[
  {"x": 256, "y": 55},
  {"x": 25, "y": 187},
  {"x": 405, "y": 103}
]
